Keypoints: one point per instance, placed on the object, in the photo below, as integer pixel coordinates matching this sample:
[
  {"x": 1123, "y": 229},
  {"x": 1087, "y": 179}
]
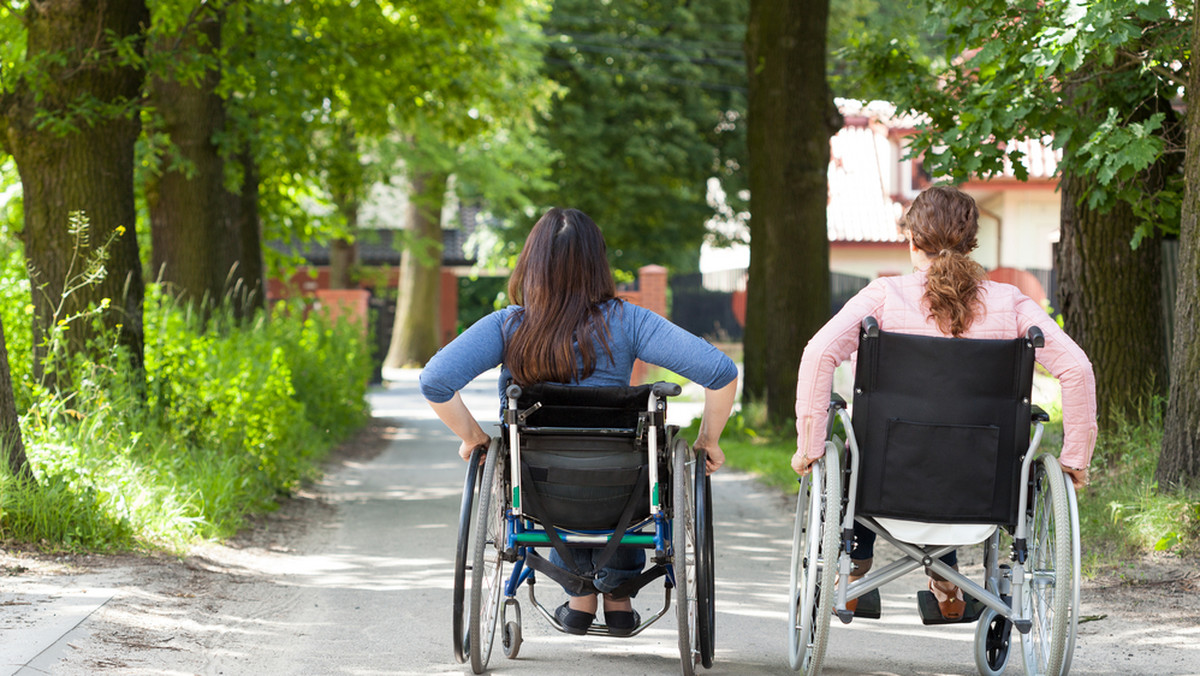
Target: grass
[
  {"x": 1122, "y": 514},
  {"x": 233, "y": 415}
]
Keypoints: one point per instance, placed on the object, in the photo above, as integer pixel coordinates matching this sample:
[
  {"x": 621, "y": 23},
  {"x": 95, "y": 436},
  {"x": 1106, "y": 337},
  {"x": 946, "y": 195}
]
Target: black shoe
[
  {"x": 573, "y": 621},
  {"x": 621, "y": 622}
]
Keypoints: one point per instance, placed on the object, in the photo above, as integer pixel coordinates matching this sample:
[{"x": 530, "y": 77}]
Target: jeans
[
  {"x": 864, "y": 546},
  {"x": 626, "y": 563}
]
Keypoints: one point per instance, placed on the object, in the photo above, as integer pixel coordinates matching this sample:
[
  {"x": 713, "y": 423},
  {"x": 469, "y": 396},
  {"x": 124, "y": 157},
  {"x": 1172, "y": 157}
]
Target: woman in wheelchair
[
  {"x": 567, "y": 326},
  {"x": 947, "y": 295}
]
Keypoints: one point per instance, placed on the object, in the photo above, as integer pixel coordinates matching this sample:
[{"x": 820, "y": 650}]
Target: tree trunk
[
  {"x": 72, "y": 163},
  {"x": 250, "y": 289},
  {"x": 1179, "y": 461},
  {"x": 343, "y": 255},
  {"x": 194, "y": 232},
  {"x": 415, "y": 333},
  {"x": 1109, "y": 295},
  {"x": 11, "y": 446},
  {"x": 790, "y": 120}
]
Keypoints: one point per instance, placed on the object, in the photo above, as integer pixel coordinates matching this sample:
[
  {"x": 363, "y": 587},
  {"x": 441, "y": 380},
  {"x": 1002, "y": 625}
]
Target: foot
[
  {"x": 573, "y": 621},
  {"x": 619, "y": 616},
  {"x": 949, "y": 598}
]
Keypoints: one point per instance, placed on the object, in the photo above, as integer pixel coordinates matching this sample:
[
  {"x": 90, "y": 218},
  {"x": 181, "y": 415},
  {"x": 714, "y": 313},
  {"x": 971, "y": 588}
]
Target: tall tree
[
  {"x": 11, "y": 445},
  {"x": 416, "y": 335},
  {"x": 70, "y": 121},
  {"x": 470, "y": 129},
  {"x": 652, "y": 106},
  {"x": 791, "y": 119},
  {"x": 195, "y": 243},
  {"x": 1179, "y": 462},
  {"x": 1097, "y": 78}
]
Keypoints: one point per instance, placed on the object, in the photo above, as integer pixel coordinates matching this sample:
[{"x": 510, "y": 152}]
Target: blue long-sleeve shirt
[{"x": 634, "y": 333}]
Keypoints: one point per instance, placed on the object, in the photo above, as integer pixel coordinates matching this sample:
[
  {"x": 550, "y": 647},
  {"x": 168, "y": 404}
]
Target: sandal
[
  {"x": 950, "y": 604},
  {"x": 573, "y": 621}
]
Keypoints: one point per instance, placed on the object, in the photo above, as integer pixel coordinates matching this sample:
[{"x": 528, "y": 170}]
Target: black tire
[
  {"x": 466, "y": 515},
  {"x": 705, "y": 564},
  {"x": 683, "y": 553},
  {"x": 993, "y": 643},
  {"x": 487, "y": 566}
]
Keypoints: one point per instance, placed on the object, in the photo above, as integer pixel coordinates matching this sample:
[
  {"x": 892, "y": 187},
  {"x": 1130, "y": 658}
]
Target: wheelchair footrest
[
  {"x": 930, "y": 614},
  {"x": 869, "y": 605}
]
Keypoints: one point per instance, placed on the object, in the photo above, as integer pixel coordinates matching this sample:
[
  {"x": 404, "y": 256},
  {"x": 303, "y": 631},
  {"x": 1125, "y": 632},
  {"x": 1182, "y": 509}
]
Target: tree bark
[
  {"x": 790, "y": 120},
  {"x": 1109, "y": 294},
  {"x": 415, "y": 333},
  {"x": 11, "y": 446},
  {"x": 71, "y": 129},
  {"x": 1179, "y": 460},
  {"x": 195, "y": 236},
  {"x": 250, "y": 286}
]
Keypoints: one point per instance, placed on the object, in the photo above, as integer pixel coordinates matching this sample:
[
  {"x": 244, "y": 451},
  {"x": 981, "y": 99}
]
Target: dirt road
[{"x": 354, "y": 577}]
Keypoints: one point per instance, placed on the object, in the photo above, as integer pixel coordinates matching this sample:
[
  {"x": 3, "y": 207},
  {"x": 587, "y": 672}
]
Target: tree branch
[{"x": 1140, "y": 60}]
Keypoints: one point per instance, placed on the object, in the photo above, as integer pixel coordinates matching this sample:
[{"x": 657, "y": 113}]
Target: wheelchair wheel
[
  {"x": 683, "y": 545},
  {"x": 511, "y": 637},
  {"x": 815, "y": 544},
  {"x": 705, "y": 560},
  {"x": 993, "y": 634},
  {"x": 1047, "y": 590},
  {"x": 487, "y": 564},
  {"x": 465, "y": 516},
  {"x": 1076, "y": 568}
]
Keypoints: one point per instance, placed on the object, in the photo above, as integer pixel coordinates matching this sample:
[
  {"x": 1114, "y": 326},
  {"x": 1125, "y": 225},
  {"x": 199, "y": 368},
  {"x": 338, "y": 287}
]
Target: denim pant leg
[
  {"x": 626, "y": 563},
  {"x": 864, "y": 546}
]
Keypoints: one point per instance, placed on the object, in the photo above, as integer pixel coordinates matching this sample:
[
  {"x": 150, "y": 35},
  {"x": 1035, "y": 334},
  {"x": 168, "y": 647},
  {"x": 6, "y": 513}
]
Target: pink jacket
[{"x": 898, "y": 305}]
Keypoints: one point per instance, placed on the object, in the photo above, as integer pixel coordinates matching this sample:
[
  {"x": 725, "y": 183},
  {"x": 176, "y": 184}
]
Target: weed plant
[{"x": 232, "y": 416}]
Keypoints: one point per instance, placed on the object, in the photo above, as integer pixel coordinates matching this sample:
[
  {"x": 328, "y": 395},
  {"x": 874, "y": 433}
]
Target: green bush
[{"x": 231, "y": 416}]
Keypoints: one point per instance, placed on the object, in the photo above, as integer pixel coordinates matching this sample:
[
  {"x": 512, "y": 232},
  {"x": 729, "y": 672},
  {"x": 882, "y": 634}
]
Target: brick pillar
[
  {"x": 652, "y": 295},
  {"x": 345, "y": 305}
]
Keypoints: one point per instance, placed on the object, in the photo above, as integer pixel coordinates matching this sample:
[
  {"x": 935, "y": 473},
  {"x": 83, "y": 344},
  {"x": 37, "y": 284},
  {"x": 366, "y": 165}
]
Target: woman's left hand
[
  {"x": 714, "y": 457},
  {"x": 801, "y": 463}
]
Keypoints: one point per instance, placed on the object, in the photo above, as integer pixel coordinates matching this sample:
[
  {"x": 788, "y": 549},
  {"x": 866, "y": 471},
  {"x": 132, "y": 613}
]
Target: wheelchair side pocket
[{"x": 938, "y": 472}]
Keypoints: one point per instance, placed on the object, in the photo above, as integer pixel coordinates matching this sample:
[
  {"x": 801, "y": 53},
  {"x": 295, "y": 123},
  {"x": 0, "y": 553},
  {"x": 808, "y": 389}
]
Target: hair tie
[{"x": 945, "y": 252}]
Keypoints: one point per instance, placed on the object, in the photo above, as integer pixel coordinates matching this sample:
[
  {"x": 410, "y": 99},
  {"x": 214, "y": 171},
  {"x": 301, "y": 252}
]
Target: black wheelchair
[
  {"x": 583, "y": 467},
  {"x": 931, "y": 413}
]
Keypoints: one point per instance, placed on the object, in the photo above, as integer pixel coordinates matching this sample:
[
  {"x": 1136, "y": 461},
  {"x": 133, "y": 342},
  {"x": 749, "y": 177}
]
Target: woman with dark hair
[
  {"x": 947, "y": 295},
  {"x": 567, "y": 326}
]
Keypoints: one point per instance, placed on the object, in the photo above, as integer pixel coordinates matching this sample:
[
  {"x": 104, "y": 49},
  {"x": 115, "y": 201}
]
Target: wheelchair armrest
[
  {"x": 1038, "y": 415},
  {"x": 836, "y": 401},
  {"x": 664, "y": 389},
  {"x": 1035, "y": 336},
  {"x": 870, "y": 327}
]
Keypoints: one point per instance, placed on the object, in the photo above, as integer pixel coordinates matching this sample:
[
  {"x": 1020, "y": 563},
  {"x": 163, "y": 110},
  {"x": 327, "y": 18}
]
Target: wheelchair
[
  {"x": 583, "y": 467},
  {"x": 931, "y": 412}
]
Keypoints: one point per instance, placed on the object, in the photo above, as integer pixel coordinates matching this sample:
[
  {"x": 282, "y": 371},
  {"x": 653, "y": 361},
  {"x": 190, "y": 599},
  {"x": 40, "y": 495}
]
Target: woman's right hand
[{"x": 467, "y": 447}]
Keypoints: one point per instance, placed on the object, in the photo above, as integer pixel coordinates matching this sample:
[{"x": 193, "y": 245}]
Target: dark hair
[
  {"x": 560, "y": 281},
  {"x": 943, "y": 222}
]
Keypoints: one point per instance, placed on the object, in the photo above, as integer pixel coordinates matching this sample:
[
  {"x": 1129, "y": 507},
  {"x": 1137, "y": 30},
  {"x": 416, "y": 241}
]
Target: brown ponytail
[{"x": 943, "y": 222}]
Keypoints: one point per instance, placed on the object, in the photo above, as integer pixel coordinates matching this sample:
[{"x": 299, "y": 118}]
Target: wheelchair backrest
[
  {"x": 585, "y": 450},
  {"x": 942, "y": 425}
]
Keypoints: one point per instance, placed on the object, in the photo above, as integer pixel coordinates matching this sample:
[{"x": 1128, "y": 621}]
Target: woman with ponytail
[
  {"x": 567, "y": 326},
  {"x": 947, "y": 295}
]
